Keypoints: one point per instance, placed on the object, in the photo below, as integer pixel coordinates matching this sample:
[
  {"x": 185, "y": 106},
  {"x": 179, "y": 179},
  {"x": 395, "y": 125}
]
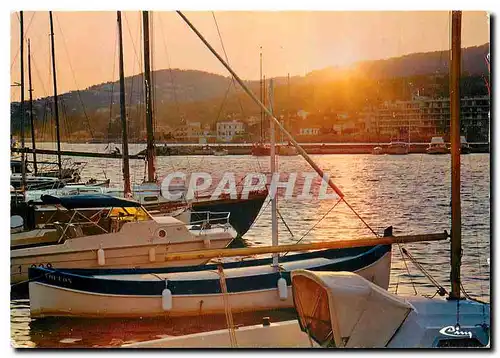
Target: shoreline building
[
  {"x": 228, "y": 130},
  {"x": 424, "y": 117}
]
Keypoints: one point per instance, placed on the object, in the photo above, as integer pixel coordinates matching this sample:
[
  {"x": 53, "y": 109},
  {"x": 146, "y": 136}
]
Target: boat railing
[{"x": 204, "y": 220}]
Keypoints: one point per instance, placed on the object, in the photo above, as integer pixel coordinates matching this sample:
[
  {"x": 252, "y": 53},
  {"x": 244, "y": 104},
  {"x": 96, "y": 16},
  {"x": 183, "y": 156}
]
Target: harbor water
[{"x": 409, "y": 192}]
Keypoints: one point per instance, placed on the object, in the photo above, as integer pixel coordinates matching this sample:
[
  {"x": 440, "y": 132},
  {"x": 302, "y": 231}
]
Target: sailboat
[
  {"x": 260, "y": 149},
  {"x": 127, "y": 235},
  {"x": 243, "y": 211},
  {"x": 287, "y": 149},
  {"x": 40, "y": 177},
  {"x": 243, "y": 286},
  {"x": 344, "y": 310}
]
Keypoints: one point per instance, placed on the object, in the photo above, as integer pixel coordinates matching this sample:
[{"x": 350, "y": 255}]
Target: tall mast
[
  {"x": 274, "y": 207},
  {"x": 264, "y": 101},
  {"x": 261, "y": 95},
  {"x": 456, "y": 224},
  {"x": 56, "y": 106},
  {"x": 288, "y": 100},
  {"x": 23, "y": 164},
  {"x": 150, "y": 148},
  {"x": 123, "y": 113},
  {"x": 32, "y": 122}
]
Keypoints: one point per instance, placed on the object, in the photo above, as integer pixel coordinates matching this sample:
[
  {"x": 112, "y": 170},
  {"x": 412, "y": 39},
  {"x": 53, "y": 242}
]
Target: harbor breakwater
[{"x": 324, "y": 148}]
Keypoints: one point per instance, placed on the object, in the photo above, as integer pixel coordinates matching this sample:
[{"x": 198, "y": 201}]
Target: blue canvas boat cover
[{"x": 89, "y": 201}]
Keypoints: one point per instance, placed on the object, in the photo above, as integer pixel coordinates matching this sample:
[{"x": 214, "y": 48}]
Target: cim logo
[{"x": 454, "y": 331}]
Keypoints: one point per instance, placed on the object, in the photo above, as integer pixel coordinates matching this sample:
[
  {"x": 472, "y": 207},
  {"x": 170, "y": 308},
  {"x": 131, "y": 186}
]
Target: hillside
[{"x": 189, "y": 95}]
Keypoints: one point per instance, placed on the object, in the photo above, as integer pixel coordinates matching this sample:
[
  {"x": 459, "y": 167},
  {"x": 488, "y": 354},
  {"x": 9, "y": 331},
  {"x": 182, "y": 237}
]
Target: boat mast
[
  {"x": 261, "y": 94},
  {"x": 150, "y": 148},
  {"x": 274, "y": 196},
  {"x": 456, "y": 224},
  {"x": 32, "y": 122},
  {"x": 23, "y": 164},
  {"x": 264, "y": 101},
  {"x": 56, "y": 107},
  {"x": 287, "y": 119},
  {"x": 123, "y": 112}
]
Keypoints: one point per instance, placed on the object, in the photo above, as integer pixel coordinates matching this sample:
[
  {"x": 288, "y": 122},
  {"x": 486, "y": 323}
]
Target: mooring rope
[{"x": 227, "y": 307}]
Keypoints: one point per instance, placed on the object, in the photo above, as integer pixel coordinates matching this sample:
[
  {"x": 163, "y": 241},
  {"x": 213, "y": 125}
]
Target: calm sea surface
[{"x": 411, "y": 193}]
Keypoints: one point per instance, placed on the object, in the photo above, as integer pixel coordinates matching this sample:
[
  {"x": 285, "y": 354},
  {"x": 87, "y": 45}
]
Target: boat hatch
[{"x": 342, "y": 309}]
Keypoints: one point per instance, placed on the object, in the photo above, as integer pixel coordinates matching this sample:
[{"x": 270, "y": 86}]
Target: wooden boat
[
  {"x": 252, "y": 285},
  {"x": 122, "y": 234},
  {"x": 437, "y": 146}
]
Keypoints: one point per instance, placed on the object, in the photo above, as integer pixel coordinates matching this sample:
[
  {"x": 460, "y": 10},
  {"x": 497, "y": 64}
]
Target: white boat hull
[{"x": 48, "y": 300}]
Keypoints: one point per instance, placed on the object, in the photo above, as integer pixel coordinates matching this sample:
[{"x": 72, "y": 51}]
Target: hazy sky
[{"x": 294, "y": 42}]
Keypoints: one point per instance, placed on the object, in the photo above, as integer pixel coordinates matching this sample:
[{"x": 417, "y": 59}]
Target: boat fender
[
  {"x": 166, "y": 298},
  {"x": 282, "y": 289},
  {"x": 206, "y": 242},
  {"x": 152, "y": 254},
  {"x": 101, "y": 258}
]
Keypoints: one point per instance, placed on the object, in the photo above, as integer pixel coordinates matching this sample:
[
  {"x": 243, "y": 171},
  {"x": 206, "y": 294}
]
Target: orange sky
[{"x": 294, "y": 42}]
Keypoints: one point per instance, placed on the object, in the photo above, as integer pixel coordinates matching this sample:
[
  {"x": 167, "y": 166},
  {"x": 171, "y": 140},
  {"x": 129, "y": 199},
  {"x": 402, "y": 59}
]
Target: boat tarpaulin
[
  {"x": 342, "y": 309},
  {"x": 89, "y": 201}
]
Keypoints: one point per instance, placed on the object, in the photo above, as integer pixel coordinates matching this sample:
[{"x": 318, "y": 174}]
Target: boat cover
[
  {"x": 85, "y": 201},
  {"x": 342, "y": 309}
]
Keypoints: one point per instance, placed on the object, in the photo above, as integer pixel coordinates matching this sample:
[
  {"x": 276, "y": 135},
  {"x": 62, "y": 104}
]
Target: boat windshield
[{"x": 129, "y": 214}]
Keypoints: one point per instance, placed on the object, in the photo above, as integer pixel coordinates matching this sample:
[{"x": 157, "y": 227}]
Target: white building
[
  {"x": 226, "y": 131},
  {"x": 309, "y": 131},
  {"x": 302, "y": 114}
]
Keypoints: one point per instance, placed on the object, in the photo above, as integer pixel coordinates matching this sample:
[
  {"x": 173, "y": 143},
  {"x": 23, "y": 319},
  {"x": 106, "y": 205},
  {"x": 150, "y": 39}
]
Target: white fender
[
  {"x": 101, "y": 258},
  {"x": 282, "y": 289},
  {"x": 166, "y": 298},
  {"x": 152, "y": 254}
]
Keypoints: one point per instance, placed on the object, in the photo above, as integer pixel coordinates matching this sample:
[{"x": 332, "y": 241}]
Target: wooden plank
[{"x": 338, "y": 244}]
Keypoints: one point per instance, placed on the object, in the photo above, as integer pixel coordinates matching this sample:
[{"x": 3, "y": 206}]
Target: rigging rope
[
  {"x": 164, "y": 42},
  {"x": 441, "y": 290},
  {"x": 284, "y": 222},
  {"x": 466, "y": 294},
  {"x": 112, "y": 87},
  {"x": 227, "y": 60},
  {"x": 26, "y": 39},
  {"x": 312, "y": 227},
  {"x": 408, "y": 270},
  {"x": 174, "y": 89},
  {"x": 227, "y": 306},
  {"x": 74, "y": 79}
]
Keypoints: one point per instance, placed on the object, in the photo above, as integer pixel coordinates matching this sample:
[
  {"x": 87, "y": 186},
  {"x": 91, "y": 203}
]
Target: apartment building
[
  {"x": 228, "y": 130},
  {"x": 424, "y": 117}
]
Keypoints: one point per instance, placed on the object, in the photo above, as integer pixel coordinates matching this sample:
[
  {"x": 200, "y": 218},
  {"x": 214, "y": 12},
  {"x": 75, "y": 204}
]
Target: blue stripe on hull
[{"x": 196, "y": 287}]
